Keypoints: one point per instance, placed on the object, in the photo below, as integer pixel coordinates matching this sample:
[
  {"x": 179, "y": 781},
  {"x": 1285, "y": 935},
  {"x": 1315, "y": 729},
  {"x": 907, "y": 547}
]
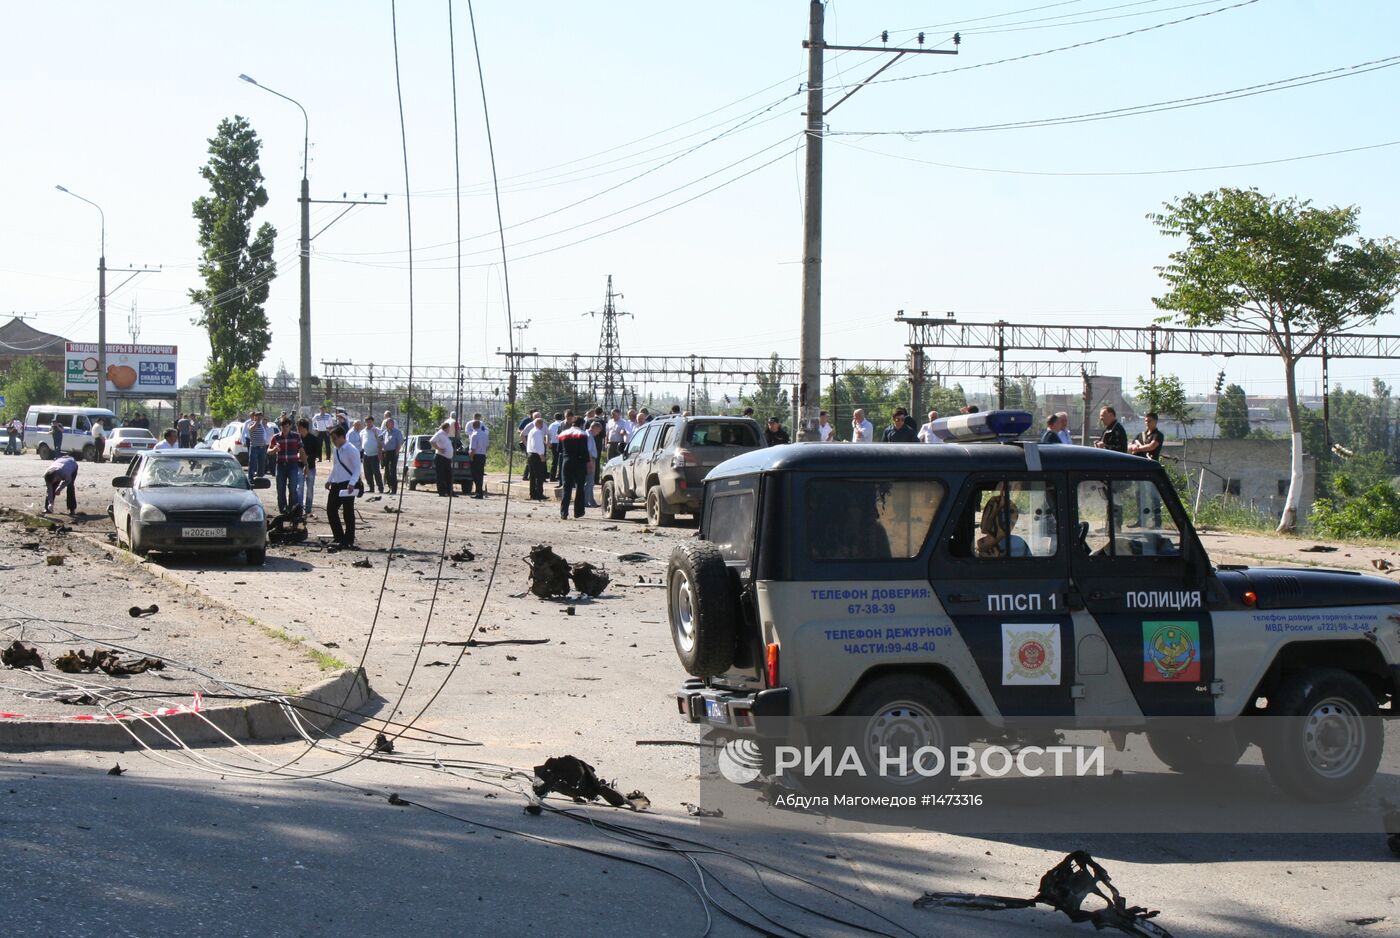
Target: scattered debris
[
  {"x": 611, "y": 527},
  {"x": 484, "y": 642},
  {"x": 77, "y": 699},
  {"x": 116, "y": 769},
  {"x": 390, "y": 510},
  {"x": 694, "y": 810},
  {"x": 21, "y": 656},
  {"x": 289, "y": 527},
  {"x": 396, "y": 801},
  {"x": 589, "y": 579},
  {"x": 1317, "y": 549},
  {"x": 363, "y": 562},
  {"x": 109, "y": 661},
  {"x": 1383, "y": 565},
  {"x": 437, "y": 664},
  {"x": 570, "y": 611},
  {"x": 533, "y": 808},
  {"x": 382, "y": 743},
  {"x": 464, "y": 555},
  {"x": 54, "y": 560},
  {"x": 1065, "y": 887},
  {"x": 549, "y": 573},
  {"x": 637, "y": 556},
  {"x": 1368, "y": 920},
  {"x": 512, "y": 658},
  {"x": 570, "y": 775},
  {"x": 330, "y": 644},
  {"x": 137, "y": 612},
  {"x": 638, "y": 800}
]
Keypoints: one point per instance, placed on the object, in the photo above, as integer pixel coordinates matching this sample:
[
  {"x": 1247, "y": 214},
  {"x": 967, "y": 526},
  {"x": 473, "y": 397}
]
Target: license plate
[
  {"x": 204, "y": 532},
  {"x": 714, "y": 710}
]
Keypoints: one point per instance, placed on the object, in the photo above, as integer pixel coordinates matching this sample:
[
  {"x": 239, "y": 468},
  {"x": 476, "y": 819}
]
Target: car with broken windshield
[
  {"x": 189, "y": 500},
  {"x": 986, "y": 587}
]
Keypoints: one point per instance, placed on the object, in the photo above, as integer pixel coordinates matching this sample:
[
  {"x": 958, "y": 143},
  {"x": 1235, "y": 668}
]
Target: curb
[{"x": 319, "y": 705}]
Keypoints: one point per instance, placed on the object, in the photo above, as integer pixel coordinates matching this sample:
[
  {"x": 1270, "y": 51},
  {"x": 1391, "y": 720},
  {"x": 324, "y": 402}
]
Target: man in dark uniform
[
  {"x": 1114, "y": 437},
  {"x": 775, "y": 435},
  {"x": 1148, "y": 443},
  {"x": 575, "y": 466}
]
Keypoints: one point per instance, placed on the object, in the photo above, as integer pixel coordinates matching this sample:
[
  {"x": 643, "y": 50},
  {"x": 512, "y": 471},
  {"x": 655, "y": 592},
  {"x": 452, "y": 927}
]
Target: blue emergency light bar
[{"x": 991, "y": 425}]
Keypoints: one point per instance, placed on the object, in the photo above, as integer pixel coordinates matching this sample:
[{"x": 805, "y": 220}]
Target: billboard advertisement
[{"x": 132, "y": 370}]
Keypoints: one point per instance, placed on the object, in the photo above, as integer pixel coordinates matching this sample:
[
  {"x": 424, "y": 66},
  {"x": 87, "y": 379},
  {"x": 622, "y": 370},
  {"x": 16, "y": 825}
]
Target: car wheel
[
  {"x": 1326, "y": 738},
  {"x": 903, "y": 712},
  {"x": 132, "y": 544},
  {"x": 242, "y": 459},
  {"x": 657, "y": 515},
  {"x": 89, "y": 453},
  {"x": 610, "y": 506},
  {"x": 256, "y": 556},
  {"x": 44, "y": 451},
  {"x": 412, "y": 486},
  {"x": 466, "y": 488},
  {"x": 1197, "y": 752},
  {"x": 702, "y": 608}
]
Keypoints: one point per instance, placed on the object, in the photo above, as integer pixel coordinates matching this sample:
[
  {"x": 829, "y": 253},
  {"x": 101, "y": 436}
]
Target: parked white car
[
  {"x": 126, "y": 443},
  {"x": 231, "y": 441}
]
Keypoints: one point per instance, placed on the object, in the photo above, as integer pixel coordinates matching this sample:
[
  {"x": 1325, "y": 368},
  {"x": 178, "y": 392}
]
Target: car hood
[
  {"x": 183, "y": 498},
  {"x": 1285, "y": 587}
]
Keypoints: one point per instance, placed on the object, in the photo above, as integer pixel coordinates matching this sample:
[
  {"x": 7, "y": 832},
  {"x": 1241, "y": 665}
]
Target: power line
[
  {"x": 1141, "y": 172},
  {"x": 1248, "y": 91},
  {"x": 1046, "y": 24}
]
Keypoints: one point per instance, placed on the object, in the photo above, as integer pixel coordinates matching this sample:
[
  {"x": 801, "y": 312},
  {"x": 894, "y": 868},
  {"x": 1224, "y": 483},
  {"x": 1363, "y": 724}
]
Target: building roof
[{"x": 17, "y": 337}]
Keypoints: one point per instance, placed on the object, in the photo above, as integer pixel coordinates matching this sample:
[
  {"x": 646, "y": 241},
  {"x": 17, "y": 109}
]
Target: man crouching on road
[
  {"x": 61, "y": 474},
  {"x": 340, "y": 487}
]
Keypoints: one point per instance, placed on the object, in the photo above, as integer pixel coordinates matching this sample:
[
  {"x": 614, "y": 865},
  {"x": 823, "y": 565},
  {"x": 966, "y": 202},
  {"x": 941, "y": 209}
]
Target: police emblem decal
[{"x": 1031, "y": 654}]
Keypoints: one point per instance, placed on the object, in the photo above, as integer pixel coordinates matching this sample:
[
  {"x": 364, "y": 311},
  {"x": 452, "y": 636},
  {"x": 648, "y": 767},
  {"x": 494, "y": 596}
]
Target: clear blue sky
[{"x": 116, "y": 101}]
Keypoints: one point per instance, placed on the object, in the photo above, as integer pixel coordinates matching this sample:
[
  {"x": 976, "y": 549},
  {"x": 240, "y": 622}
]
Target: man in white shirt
[
  {"x": 321, "y": 423},
  {"x": 1063, "y": 432},
  {"x": 341, "y": 488},
  {"x": 618, "y": 432},
  {"x": 478, "y": 441},
  {"x": 926, "y": 431},
  {"x": 99, "y": 439},
  {"x": 169, "y": 441},
  {"x": 369, "y": 449},
  {"x": 353, "y": 437},
  {"x": 824, "y": 427},
  {"x": 442, "y": 458},
  {"x": 560, "y": 421},
  {"x": 862, "y": 430},
  {"x": 536, "y": 439}
]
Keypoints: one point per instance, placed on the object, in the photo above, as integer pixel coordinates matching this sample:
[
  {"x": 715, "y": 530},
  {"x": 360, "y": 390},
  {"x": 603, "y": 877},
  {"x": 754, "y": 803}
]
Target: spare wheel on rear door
[{"x": 703, "y": 608}]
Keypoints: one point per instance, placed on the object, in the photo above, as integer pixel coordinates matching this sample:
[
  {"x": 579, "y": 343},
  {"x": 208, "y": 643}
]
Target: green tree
[
  {"x": 1166, "y": 397},
  {"x": 239, "y": 393},
  {"x": 1373, "y": 513},
  {"x": 770, "y": 397},
  {"x": 237, "y": 265},
  {"x": 947, "y": 401},
  {"x": 1282, "y": 267},
  {"x": 1232, "y": 413},
  {"x": 550, "y": 391},
  {"x": 29, "y": 382}
]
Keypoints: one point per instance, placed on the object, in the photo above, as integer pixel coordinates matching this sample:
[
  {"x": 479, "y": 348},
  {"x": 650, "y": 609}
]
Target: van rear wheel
[
  {"x": 893, "y": 717},
  {"x": 44, "y": 451},
  {"x": 702, "y": 608},
  {"x": 1326, "y": 738}
]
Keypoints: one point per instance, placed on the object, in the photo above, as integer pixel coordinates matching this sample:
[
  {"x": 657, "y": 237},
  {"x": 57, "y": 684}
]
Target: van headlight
[
  {"x": 252, "y": 513},
  {"x": 151, "y": 513}
]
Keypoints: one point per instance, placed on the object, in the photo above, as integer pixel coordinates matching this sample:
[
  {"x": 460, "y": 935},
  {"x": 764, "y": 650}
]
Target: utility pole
[
  {"x": 133, "y": 324},
  {"x": 809, "y": 376}
]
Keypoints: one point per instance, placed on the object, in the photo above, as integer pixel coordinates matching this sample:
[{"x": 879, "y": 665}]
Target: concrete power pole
[{"x": 809, "y": 376}]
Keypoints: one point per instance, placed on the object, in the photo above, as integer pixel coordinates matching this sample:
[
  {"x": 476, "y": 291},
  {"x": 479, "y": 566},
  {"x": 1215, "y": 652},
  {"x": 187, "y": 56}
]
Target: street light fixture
[
  {"x": 101, "y": 300},
  {"x": 304, "y": 378}
]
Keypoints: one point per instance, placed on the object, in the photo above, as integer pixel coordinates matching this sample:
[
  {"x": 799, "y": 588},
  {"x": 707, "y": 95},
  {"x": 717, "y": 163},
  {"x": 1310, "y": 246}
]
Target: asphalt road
[{"x": 234, "y": 841}]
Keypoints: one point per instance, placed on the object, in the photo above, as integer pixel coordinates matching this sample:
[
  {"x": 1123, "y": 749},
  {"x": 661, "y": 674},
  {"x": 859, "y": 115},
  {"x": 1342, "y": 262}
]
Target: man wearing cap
[{"x": 775, "y": 435}]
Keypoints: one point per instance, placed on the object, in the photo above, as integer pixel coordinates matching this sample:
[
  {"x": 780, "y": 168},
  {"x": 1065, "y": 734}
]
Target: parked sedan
[
  {"x": 190, "y": 500},
  {"x": 230, "y": 440},
  {"x": 209, "y": 438},
  {"x": 126, "y": 443},
  {"x": 418, "y": 464}
]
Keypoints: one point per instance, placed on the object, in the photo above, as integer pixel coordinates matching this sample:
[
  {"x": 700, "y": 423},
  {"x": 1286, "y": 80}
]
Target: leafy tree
[
  {"x": 237, "y": 394},
  {"x": 551, "y": 390},
  {"x": 1374, "y": 513},
  {"x": 1361, "y": 473},
  {"x": 1232, "y": 413},
  {"x": 29, "y": 382},
  {"x": 1166, "y": 397},
  {"x": 1282, "y": 267},
  {"x": 236, "y": 264},
  {"x": 770, "y": 396},
  {"x": 946, "y": 400}
]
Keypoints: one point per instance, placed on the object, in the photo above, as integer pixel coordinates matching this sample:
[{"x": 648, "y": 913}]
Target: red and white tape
[{"x": 196, "y": 707}]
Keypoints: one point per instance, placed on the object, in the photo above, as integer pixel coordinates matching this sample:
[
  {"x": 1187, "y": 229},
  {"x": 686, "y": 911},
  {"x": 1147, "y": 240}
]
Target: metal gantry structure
[{"x": 607, "y": 384}]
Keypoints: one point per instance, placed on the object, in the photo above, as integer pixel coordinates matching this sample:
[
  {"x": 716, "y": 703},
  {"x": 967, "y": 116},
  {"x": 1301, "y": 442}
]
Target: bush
[
  {"x": 1375, "y": 513},
  {"x": 1232, "y": 514}
]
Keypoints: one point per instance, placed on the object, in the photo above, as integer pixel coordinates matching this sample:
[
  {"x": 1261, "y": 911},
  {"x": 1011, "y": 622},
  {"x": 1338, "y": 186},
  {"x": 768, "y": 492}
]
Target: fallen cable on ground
[{"x": 1065, "y": 887}]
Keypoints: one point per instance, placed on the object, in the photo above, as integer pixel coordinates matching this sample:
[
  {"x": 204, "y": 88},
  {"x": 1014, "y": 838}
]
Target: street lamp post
[
  {"x": 101, "y": 301},
  {"x": 304, "y": 378}
]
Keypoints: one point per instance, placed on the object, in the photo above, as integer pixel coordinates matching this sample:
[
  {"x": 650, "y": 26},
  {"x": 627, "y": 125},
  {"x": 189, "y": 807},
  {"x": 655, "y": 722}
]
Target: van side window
[
  {"x": 870, "y": 519},
  {"x": 1007, "y": 521},
  {"x": 730, "y": 525},
  {"x": 1124, "y": 518}
]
